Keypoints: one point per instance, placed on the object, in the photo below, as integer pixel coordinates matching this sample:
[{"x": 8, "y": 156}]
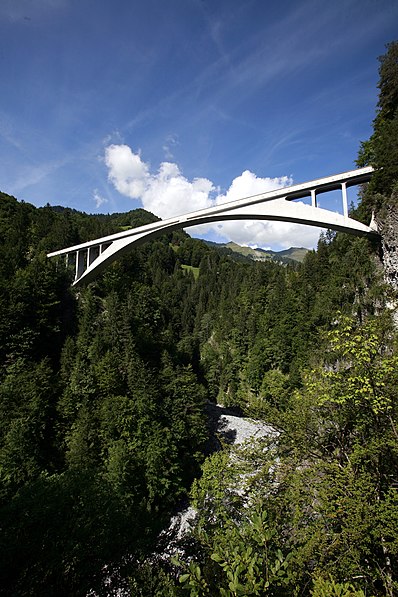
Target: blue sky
[{"x": 109, "y": 105}]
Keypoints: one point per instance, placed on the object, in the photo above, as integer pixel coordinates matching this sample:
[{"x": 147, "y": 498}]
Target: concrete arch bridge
[{"x": 92, "y": 257}]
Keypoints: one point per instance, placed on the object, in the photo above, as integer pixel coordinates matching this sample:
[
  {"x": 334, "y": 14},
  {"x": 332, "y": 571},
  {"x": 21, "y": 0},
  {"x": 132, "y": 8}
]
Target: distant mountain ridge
[{"x": 294, "y": 254}]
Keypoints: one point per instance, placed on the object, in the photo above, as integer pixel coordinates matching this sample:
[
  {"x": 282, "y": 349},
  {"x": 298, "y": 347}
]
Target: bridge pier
[
  {"x": 345, "y": 202},
  {"x": 81, "y": 258},
  {"x": 313, "y": 198},
  {"x": 92, "y": 254}
]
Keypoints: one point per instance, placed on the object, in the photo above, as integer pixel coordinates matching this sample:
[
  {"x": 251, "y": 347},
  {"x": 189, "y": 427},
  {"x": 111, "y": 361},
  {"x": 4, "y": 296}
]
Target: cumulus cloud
[
  {"x": 127, "y": 172},
  {"x": 168, "y": 193},
  {"x": 248, "y": 184}
]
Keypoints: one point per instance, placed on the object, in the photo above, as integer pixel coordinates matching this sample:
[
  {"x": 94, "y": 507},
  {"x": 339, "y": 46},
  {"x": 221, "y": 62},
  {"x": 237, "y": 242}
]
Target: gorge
[{"x": 104, "y": 390}]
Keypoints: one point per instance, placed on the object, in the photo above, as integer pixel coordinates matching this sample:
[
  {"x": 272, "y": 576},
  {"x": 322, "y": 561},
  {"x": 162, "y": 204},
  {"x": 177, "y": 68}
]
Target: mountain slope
[{"x": 295, "y": 254}]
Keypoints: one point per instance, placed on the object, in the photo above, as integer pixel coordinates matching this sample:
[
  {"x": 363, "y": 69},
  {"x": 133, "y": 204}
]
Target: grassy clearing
[{"x": 194, "y": 270}]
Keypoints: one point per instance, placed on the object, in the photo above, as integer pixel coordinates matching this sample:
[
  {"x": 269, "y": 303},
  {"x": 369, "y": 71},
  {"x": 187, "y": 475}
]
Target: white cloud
[
  {"x": 168, "y": 193},
  {"x": 99, "y": 200},
  {"x": 268, "y": 234},
  {"x": 248, "y": 184},
  {"x": 170, "y": 143},
  {"x": 127, "y": 171}
]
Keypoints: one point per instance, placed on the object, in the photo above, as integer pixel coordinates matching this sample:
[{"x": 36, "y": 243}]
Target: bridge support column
[
  {"x": 313, "y": 198},
  {"x": 80, "y": 263},
  {"x": 103, "y": 246},
  {"x": 92, "y": 254},
  {"x": 345, "y": 201}
]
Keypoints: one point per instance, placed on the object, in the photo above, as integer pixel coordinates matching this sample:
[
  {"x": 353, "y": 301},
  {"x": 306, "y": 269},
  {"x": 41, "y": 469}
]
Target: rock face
[
  {"x": 228, "y": 427},
  {"x": 388, "y": 228}
]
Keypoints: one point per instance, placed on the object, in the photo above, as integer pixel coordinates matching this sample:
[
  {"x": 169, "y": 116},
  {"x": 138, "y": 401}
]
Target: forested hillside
[{"x": 102, "y": 395}]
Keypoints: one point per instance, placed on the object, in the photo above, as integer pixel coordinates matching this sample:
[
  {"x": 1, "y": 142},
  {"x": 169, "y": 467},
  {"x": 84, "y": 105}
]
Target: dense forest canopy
[
  {"x": 381, "y": 150},
  {"x": 103, "y": 427}
]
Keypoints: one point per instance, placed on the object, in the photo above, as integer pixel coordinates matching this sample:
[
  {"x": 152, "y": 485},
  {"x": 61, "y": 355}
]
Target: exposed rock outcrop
[
  {"x": 226, "y": 426},
  {"x": 387, "y": 222}
]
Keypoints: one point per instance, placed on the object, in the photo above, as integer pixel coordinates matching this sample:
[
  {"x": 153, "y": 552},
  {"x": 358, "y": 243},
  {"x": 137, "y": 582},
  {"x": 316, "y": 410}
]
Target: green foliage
[
  {"x": 246, "y": 561},
  {"x": 266, "y": 327},
  {"x": 249, "y": 560},
  {"x": 63, "y": 534},
  {"x": 306, "y": 511},
  {"x": 365, "y": 377},
  {"x": 27, "y": 394},
  {"x": 148, "y": 579},
  {"x": 242, "y": 552},
  {"x": 381, "y": 150},
  {"x": 100, "y": 435},
  {"x": 330, "y": 588}
]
